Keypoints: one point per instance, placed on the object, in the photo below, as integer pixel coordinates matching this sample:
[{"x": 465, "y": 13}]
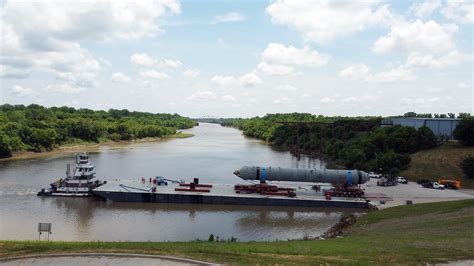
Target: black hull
[{"x": 226, "y": 200}]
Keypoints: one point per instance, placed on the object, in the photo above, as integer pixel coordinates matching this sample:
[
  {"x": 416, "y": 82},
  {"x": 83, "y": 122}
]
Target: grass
[
  {"x": 410, "y": 234},
  {"x": 440, "y": 162},
  {"x": 180, "y": 135}
]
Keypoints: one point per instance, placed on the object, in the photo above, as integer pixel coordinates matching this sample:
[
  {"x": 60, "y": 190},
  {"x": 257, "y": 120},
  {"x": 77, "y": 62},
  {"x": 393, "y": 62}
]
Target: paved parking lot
[
  {"x": 100, "y": 259},
  {"x": 398, "y": 195}
]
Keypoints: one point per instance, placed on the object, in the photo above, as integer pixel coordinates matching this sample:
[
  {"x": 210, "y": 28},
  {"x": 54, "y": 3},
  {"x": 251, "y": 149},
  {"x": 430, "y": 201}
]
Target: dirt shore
[{"x": 88, "y": 147}]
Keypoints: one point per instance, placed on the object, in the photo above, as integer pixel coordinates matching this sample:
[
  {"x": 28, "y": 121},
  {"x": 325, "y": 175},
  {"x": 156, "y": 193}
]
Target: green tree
[
  {"x": 464, "y": 132},
  {"x": 425, "y": 138},
  {"x": 5, "y": 150},
  {"x": 467, "y": 166}
]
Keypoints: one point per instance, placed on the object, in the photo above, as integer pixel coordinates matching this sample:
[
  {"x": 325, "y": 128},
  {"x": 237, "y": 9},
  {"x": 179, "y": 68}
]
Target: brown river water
[{"x": 211, "y": 155}]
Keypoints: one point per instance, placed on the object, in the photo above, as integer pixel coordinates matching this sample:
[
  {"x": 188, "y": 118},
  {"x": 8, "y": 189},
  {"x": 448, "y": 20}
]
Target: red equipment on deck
[
  {"x": 265, "y": 189},
  {"x": 344, "y": 192},
  {"x": 194, "y": 187}
]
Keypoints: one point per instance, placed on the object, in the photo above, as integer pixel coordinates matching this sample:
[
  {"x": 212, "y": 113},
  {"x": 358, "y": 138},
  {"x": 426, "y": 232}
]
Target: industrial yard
[{"x": 401, "y": 193}]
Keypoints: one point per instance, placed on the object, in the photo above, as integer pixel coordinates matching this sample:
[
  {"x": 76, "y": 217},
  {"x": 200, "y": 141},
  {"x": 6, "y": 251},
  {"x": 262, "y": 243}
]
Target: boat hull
[
  {"x": 59, "y": 194},
  {"x": 227, "y": 200}
]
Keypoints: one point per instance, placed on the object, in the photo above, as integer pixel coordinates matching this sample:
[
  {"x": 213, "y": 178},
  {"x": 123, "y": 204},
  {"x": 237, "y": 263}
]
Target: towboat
[{"x": 78, "y": 184}]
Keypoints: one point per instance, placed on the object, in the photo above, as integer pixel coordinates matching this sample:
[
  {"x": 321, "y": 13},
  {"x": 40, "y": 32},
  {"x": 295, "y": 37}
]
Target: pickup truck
[
  {"x": 434, "y": 185},
  {"x": 402, "y": 180},
  {"x": 385, "y": 182},
  {"x": 374, "y": 175}
]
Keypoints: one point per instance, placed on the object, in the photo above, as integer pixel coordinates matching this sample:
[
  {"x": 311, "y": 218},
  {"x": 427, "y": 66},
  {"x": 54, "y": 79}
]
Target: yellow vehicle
[{"x": 454, "y": 184}]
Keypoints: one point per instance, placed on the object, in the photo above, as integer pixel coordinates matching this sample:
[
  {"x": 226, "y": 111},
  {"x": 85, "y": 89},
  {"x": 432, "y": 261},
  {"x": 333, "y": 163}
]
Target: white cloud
[
  {"x": 327, "y": 100},
  {"x": 228, "y": 98},
  {"x": 428, "y": 44},
  {"x": 460, "y": 11},
  {"x": 355, "y": 72},
  {"x": 171, "y": 63},
  {"x": 362, "y": 72},
  {"x": 250, "y": 80},
  {"x": 191, "y": 73},
  {"x": 419, "y": 36},
  {"x": 64, "y": 88},
  {"x": 44, "y": 36},
  {"x": 408, "y": 101},
  {"x": 247, "y": 80},
  {"x": 153, "y": 74},
  {"x": 88, "y": 20},
  {"x": 278, "y": 59},
  {"x": 276, "y": 53},
  {"x": 321, "y": 21},
  {"x": 275, "y": 69},
  {"x": 223, "y": 81},
  {"x": 393, "y": 75},
  {"x": 286, "y": 88},
  {"x": 20, "y": 91},
  {"x": 429, "y": 60},
  {"x": 230, "y": 17},
  {"x": 202, "y": 95},
  {"x": 463, "y": 85},
  {"x": 425, "y": 8},
  {"x": 14, "y": 72},
  {"x": 283, "y": 100},
  {"x": 349, "y": 99},
  {"x": 142, "y": 59},
  {"x": 120, "y": 77},
  {"x": 306, "y": 95}
]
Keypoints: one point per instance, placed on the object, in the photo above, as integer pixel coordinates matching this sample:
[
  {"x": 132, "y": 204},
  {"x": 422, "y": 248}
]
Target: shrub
[
  {"x": 464, "y": 132},
  {"x": 467, "y": 166}
]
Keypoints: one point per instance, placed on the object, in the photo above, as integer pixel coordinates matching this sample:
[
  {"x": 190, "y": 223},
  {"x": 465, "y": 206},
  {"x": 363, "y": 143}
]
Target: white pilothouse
[{"x": 79, "y": 184}]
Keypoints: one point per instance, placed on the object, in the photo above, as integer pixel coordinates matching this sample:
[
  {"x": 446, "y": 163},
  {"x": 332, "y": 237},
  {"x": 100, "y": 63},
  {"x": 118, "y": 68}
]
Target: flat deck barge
[{"x": 136, "y": 191}]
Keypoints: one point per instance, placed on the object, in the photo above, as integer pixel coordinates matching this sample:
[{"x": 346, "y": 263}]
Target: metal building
[{"x": 439, "y": 126}]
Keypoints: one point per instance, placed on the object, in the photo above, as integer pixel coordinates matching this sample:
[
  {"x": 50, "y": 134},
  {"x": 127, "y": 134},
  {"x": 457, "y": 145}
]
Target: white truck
[
  {"x": 374, "y": 175},
  {"x": 434, "y": 185}
]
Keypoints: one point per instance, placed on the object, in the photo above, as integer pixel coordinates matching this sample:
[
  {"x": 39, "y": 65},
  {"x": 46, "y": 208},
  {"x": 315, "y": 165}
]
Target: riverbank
[
  {"x": 410, "y": 234},
  {"x": 90, "y": 147}
]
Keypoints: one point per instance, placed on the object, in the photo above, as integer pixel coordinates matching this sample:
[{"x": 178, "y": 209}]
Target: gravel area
[{"x": 399, "y": 194}]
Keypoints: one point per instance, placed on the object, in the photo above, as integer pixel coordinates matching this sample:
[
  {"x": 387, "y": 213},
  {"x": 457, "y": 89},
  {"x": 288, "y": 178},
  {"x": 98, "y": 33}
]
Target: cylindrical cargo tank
[{"x": 346, "y": 177}]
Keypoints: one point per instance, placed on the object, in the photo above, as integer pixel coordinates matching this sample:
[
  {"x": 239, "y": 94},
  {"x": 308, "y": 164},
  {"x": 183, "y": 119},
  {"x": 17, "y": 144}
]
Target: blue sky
[{"x": 240, "y": 58}]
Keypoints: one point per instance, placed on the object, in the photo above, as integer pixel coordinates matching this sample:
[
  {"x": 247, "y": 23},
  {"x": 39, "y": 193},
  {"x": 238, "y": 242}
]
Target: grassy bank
[
  {"x": 411, "y": 234},
  {"x": 87, "y": 146},
  {"x": 443, "y": 161}
]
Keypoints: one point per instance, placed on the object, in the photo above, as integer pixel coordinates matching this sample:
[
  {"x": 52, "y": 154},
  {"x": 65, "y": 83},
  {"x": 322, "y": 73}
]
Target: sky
[{"x": 239, "y": 58}]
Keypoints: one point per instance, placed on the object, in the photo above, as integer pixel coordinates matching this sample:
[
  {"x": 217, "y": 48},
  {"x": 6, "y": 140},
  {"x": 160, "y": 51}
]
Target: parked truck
[
  {"x": 387, "y": 181},
  {"x": 448, "y": 183},
  {"x": 434, "y": 185}
]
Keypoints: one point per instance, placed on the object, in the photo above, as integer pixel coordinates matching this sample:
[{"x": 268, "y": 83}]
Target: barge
[{"x": 295, "y": 195}]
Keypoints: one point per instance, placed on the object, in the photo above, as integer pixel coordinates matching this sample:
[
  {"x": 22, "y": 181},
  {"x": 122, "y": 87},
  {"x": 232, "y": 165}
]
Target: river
[{"x": 211, "y": 155}]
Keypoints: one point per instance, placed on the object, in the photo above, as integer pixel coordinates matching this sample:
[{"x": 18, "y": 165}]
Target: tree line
[
  {"x": 464, "y": 132},
  {"x": 37, "y": 128},
  {"x": 355, "y": 142}
]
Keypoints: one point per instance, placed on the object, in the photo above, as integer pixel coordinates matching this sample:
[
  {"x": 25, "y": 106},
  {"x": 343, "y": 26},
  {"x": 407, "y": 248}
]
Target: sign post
[{"x": 44, "y": 227}]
